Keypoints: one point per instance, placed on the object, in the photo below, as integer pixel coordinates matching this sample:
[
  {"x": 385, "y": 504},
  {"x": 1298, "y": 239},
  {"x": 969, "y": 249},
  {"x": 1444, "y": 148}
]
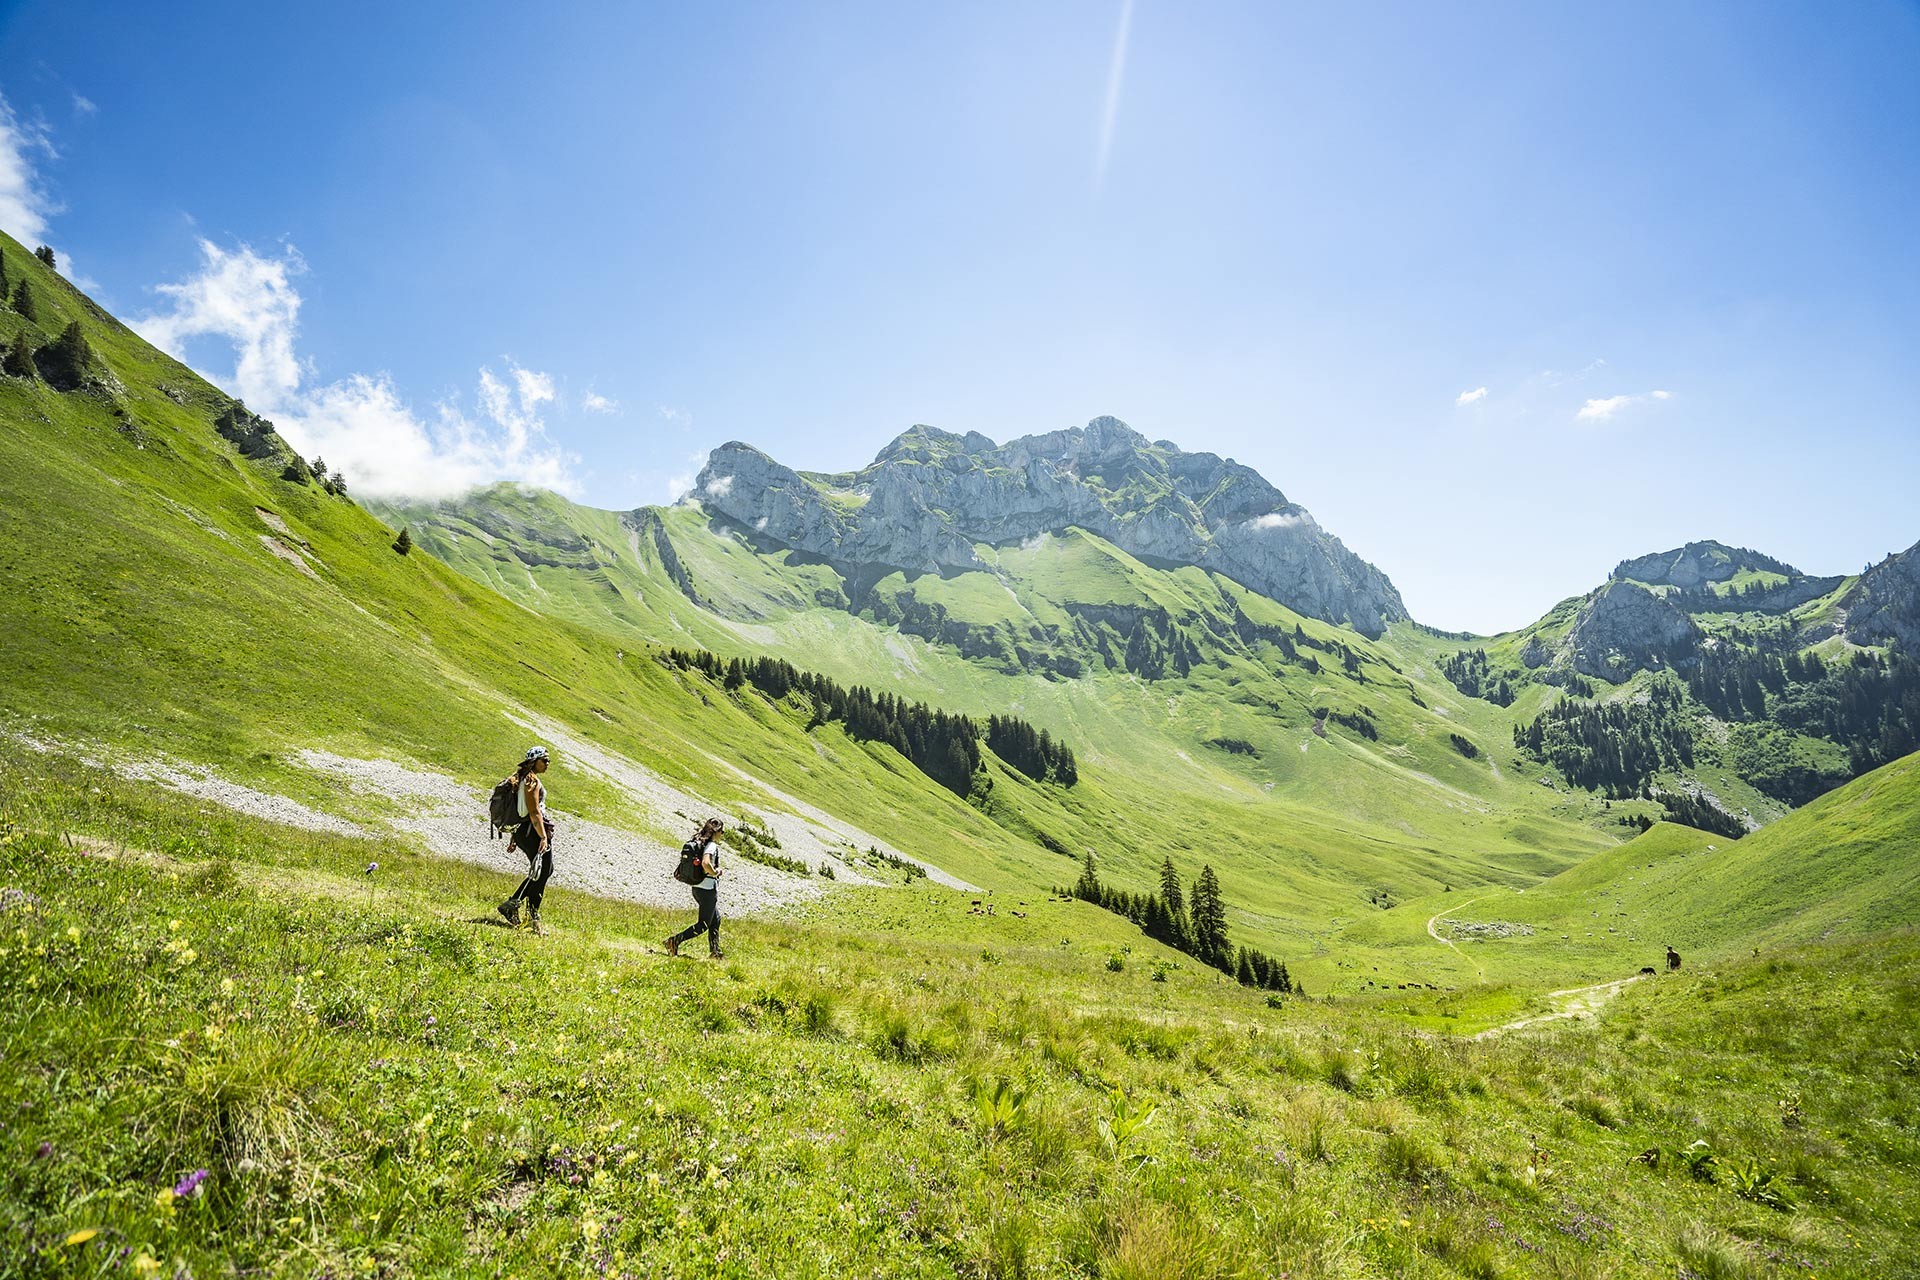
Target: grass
[{"x": 385, "y": 1083}]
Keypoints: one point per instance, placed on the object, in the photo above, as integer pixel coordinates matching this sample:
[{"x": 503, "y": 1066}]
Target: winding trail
[
  {"x": 1479, "y": 973},
  {"x": 1574, "y": 1002}
]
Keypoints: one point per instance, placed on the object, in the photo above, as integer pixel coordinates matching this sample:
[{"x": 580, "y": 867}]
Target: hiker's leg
[
  {"x": 704, "y": 899},
  {"x": 710, "y": 917},
  {"x": 540, "y": 872}
]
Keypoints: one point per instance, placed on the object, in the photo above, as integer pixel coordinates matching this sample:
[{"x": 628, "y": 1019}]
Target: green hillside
[{"x": 884, "y": 1078}]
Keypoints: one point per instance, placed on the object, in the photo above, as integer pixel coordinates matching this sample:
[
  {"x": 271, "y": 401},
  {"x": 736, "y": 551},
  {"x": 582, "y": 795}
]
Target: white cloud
[
  {"x": 594, "y": 402},
  {"x": 85, "y": 106},
  {"x": 25, "y": 205},
  {"x": 1279, "y": 520},
  {"x": 360, "y": 424},
  {"x": 677, "y": 417},
  {"x": 246, "y": 299},
  {"x": 1110, "y": 111},
  {"x": 1466, "y": 398},
  {"x": 1603, "y": 410},
  {"x": 679, "y": 486},
  {"x": 720, "y": 487}
]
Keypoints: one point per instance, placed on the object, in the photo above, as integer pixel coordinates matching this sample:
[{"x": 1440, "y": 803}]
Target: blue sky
[{"x": 1674, "y": 245}]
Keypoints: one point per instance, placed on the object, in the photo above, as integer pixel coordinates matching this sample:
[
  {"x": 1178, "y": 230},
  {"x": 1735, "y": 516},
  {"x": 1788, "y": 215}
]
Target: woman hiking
[
  {"x": 706, "y": 893},
  {"x": 533, "y": 837}
]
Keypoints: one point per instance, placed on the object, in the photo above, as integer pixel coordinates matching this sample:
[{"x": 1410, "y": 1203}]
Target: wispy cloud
[
  {"x": 676, "y": 417},
  {"x": 1466, "y": 398},
  {"x": 1110, "y": 112},
  {"x": 25, "y": 205},
  {"x": 361, "y": 424},
  {"x": 1604, "y": 409},
  {"x": 85, "y": 106},
  {"x": 1280, "y": 520},
  {"x": 594, "y": 402}
]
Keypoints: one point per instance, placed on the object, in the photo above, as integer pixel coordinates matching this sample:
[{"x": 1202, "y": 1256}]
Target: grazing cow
[
  {"x": 1673, "y": 959},
  {"x": 1647, "y": 972}
]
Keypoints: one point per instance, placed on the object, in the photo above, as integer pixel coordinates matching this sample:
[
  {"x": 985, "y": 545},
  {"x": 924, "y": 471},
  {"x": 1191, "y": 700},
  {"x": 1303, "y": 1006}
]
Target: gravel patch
[
  {"x": 203, "y": 783},
  {"x": 450, "y": 817}
]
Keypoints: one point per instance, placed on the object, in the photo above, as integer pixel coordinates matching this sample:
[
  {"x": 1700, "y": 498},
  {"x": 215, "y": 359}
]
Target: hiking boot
[
  {"x": 673, "y": 946},
  {"x": 533, "y": 918},
  {"x": 510, "y": 912},
  {"x": 716, "y": 954}
]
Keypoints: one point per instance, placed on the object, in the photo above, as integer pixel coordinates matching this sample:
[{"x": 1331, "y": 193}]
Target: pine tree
[
  {"x": 1087, "y": 887},
  {"x": 1209, "y": 915},
  {"x": 404, "y": 543},
  {"x": 5, "y": 287},
  {"x": 19, "y": 358},
  {"x": 338, "y": 483},
  {"x": 1179, "y": 930},
  {"x": 45, "y": 254},
  {"x": 68, "y": 359},
  {"x": 23, "y": 301},
  {"x": 319, "y": 467}
]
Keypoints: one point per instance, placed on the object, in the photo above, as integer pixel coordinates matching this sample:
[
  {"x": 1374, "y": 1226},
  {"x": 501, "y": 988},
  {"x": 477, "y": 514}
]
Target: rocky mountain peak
[
  {"x": 930, "y": 496},
  {"x": 1699, "y": 563}
]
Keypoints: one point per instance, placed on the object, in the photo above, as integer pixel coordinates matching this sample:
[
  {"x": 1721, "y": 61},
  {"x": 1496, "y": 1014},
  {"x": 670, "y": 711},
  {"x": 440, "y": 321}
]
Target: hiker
[
  {"x": 706, "y": 893},
  {"x": 533, "y": 837}
]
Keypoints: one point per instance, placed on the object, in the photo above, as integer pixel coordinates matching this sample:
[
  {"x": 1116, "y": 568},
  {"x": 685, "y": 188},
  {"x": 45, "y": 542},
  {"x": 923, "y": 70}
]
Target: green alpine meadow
[{"x": 1118, "y": 881}]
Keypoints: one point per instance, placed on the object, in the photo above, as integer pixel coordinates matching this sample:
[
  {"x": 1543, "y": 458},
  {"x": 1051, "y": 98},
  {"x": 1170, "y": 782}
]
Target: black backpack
[
  {"x": 690, "y": 871},
  {"x": 503, "y": 808}
]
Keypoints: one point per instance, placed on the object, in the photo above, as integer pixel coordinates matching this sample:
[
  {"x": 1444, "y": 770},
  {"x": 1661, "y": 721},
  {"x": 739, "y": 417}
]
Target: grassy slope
[
  {"x": 1302, "y": 831},
  {"x": 377, "y": 1086}
]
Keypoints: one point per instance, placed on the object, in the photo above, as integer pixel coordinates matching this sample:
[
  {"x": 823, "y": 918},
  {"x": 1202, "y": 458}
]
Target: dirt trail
[
  {"x": 1574, "y": 1002},
  {"x": 1434, "y": 933}
]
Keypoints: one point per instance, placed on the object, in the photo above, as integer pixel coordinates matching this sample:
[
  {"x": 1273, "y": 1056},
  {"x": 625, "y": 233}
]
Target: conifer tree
[
  {"x": 68, "y": 358},
  {"x": 404, "y": 543},
  {"x": 45, "y": 254},
  {"x": 1209, "y": 919},
  {"x": 1180, "y": 931},
  {"x": 23, "y": 301},
  {"x": 19, "y": 358},
  {"x": 1087, "y": 887},
  {"x": 5, "y": 286}
]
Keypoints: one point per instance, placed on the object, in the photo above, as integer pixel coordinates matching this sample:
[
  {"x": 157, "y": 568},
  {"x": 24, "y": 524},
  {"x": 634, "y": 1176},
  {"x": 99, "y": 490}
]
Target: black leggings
[
  {"x": 708, "y": 901},
  {"x": 539, "y": 865}
]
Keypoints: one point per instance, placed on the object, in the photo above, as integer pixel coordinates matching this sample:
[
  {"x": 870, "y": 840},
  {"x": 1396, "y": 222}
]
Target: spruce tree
[
  {"x": 19, "y": 358},
  {"x": 1209, "y": 919},
  {"x": 1087, "y": 887},
  {"x": 45, "y": 254},
  {"x": 5, "y": 285},
  {"x": 404, "y": 543},
  {"x": 23, "y": 301},
  {"x": 1180, "y": 931},
  {"x": 68, "y": 358}
]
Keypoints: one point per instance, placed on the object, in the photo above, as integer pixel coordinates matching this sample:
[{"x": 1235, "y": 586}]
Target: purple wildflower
[
  {"x": 372, "y": 867},
  {"x": 190, "y": 1184},
  {"x": 43, "y": 1151}
]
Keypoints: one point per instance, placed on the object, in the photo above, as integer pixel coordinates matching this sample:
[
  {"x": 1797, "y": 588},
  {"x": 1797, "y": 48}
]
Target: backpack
[
  {"x": 503, "y": 808},
  {"x": 690, "y": 872}
]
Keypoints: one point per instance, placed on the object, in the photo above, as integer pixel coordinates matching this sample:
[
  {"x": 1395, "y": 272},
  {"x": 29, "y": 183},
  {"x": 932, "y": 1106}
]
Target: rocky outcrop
[
  {"x": 1625, "y": 628},
  {"x": 1699, "y": 563},
  {"x": 1884, "y": 606},
  {"x": 931, "y": 496}
]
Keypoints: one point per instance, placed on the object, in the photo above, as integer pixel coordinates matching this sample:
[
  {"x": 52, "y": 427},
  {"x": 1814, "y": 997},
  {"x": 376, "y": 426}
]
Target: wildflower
[
  {"x": 226, "y": 986},
  {"x": 173, "y": 926},
  {"x": 73, "y": 933},
  {"x": 164, "y": 1199},
  {"x": 43, "y": 1152},
  {"x": 372, "y": 867},
  {"x": 146, "y": 1265},
  {"x": 81, "y": 1237},
  {"x": 191, "y": 1183}
]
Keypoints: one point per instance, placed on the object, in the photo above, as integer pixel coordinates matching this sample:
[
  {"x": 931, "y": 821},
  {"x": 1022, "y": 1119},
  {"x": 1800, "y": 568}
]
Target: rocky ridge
[{"x": 930, "y": 496}]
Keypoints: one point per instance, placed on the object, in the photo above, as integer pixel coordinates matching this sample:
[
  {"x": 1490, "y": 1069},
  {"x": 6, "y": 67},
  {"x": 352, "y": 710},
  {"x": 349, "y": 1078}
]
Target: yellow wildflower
[
  {"x": 146, "y": 1265},
  {"x": 81, "y": 1237}
]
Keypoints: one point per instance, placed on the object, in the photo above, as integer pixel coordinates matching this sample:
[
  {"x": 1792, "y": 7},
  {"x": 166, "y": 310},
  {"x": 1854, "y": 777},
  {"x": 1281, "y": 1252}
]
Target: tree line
[
  {"x": 1197, "y": 928},
  {"x": 943, "y": 745}
]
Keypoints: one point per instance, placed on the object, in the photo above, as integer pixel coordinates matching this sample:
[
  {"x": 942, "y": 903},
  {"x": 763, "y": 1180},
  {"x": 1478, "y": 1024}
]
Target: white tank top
[{"x": 521, "y": 794}]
